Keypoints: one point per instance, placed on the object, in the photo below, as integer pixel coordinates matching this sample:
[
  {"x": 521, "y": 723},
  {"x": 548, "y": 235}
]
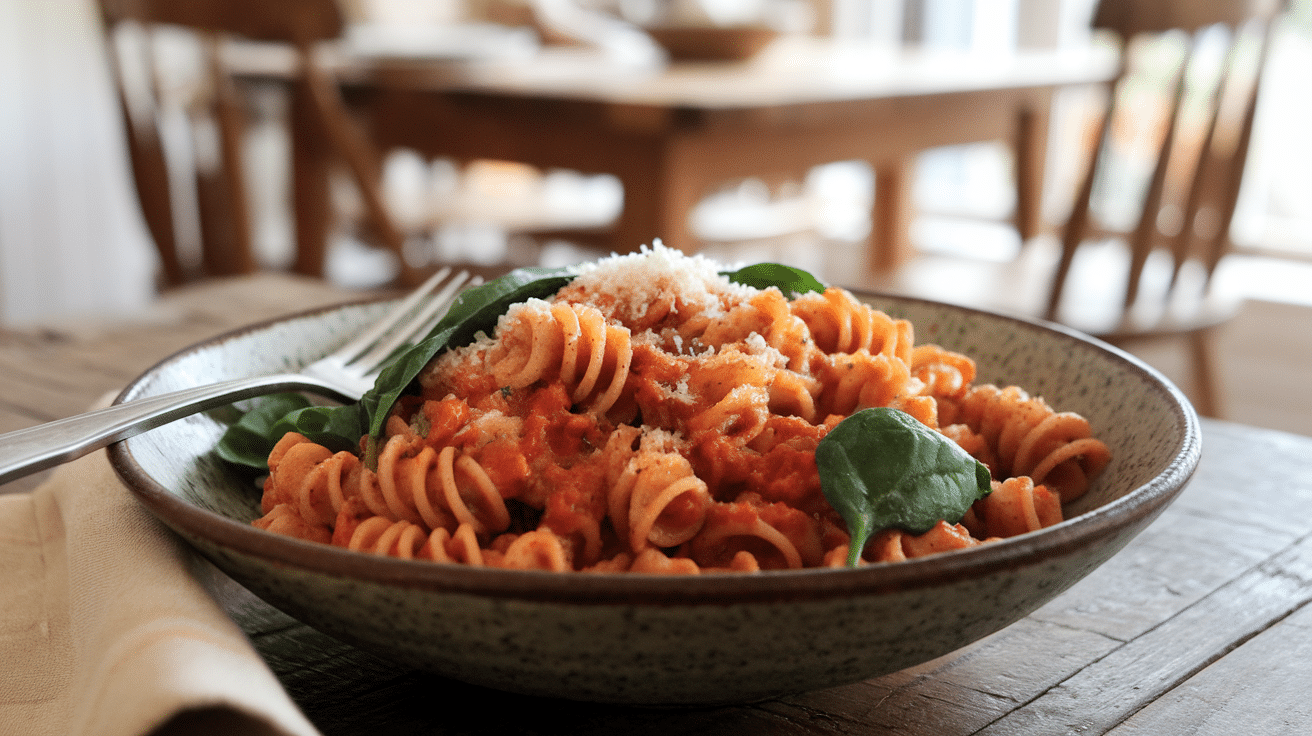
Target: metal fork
[{"x": 344, "y": 374}]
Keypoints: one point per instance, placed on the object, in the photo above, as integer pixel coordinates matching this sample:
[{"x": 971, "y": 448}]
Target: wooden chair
[
  {"x": 1190, "y": 196},
  {"x": 1146, "y": 276},
  {"x": 220, "y": 187}
]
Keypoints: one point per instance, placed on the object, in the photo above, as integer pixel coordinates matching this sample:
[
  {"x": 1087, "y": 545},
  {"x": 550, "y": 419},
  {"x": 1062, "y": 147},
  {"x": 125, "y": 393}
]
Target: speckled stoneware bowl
[{"x": 676, "y": 640}]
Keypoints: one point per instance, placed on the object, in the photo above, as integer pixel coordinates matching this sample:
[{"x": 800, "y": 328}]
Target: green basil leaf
[
  {"x": 248, "y": 441},
  {"x": 791, "y": 281},
  {"x": 881, "y": 469}
]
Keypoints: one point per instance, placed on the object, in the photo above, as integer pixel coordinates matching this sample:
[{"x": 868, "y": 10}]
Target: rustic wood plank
[
  {"x": 1274, "y": 488},
  {"x": 1175, "y": 563},
  {"x": 1264, "y": 366},
  {"x": 42, "y": 386},
  {"x": 1116, "y": 686},
  {"x": 241, "y": 301},
  {"x": 60, "y": 370},
  {"x": 961, "y": 692},
  {"x": 1259, "y": 688}
]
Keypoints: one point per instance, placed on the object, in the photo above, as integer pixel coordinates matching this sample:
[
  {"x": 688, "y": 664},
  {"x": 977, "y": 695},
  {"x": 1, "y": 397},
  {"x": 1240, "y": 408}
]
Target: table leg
[
  {"x": 311, "y": 198},
  {"x": 639, "y": 218},
  {"x": 1031, "y": 146},
  {"x": 890, "y": 238},
  {"x": 661, "y": 187}
]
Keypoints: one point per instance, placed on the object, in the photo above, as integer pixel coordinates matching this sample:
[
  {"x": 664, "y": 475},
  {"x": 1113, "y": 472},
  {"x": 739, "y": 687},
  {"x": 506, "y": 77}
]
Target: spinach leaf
[
  {"x": 249, "y": 440},
  {"x": 880, "y": 468},
  {"x": 335, "y": 427},
  {"x": 791, "y": 281},
  {"x": 340, "y": 427},
  {"x": 475, "y": 310}
]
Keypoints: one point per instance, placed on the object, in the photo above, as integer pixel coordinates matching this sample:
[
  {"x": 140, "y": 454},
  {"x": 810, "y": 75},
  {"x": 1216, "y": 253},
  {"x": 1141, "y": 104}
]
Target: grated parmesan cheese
[
  {"x": 636, "y": 283},
  {"x": 631, "y": 288},
  {"x": 756, "y": 345}
]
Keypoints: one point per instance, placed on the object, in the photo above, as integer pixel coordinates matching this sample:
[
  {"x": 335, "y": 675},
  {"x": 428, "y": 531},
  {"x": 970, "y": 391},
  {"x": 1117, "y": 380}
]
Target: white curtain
[{"x": 72, "y": 241}]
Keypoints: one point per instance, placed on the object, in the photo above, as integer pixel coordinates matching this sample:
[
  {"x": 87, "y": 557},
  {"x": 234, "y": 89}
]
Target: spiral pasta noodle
[
  {"x": 658, "y": 501},
  {"x": 737, "y": 529},
  {"x": 895, "y": 545},
  {"x": 536, "y": 550},
  {"x": 1017, "y": 506},
  {"x": 439, "y": 489},
  {"x": 310, "y": 478},
  {"x": 840, "y": 324},
  {"x": 1026, "y": 437},
  {"x": 945, "y": 375},
  {"x": 860, "y": 380},
  {"x": 652, "y": 417},
  {"x": 591, "y": 356}
]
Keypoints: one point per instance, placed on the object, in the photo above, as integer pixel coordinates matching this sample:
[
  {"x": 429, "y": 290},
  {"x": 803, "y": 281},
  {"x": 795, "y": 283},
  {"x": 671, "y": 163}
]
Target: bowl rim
[{"x": 1107, "y": 521}]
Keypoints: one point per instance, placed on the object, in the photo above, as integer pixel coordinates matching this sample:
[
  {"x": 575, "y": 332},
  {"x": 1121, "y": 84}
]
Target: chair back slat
[
  {"x": 1202, "y": 185},
  {"x": 220, "y": 188},
  {"x": 1129, "y": 18},
  {"x": 1198, "y": 158},
  {"x": 137, "y": 96},
  {"x": 226, "y": 216},
  {"x": 269, "y": 20},
  {"x": 1144, "y": 237},
  {"x": 1234, "y": 163},
  {"x": 1077, "y": 223}
]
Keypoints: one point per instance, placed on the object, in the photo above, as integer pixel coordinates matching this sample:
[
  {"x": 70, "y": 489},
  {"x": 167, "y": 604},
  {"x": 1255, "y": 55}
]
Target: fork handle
[{"x": 27, "y": 451}]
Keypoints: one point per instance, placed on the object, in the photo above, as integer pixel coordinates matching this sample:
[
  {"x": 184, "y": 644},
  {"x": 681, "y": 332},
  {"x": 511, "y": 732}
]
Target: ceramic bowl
[
  {"x": 712, "y": 43},
  {"x": 643, "y": 639}
]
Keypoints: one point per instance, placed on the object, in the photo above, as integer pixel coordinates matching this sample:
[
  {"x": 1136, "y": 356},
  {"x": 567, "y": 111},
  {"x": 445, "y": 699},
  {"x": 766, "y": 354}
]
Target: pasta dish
[{"x": 653, "y": 415}]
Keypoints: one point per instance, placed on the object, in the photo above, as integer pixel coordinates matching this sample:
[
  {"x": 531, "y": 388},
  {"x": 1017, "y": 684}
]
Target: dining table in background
[
  {"x": 1200, "y": 625},
  {"x": 673, "y": 133}
]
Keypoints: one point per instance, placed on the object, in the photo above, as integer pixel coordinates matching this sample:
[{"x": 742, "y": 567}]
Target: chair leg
[{"x": 1202, "y": 355}]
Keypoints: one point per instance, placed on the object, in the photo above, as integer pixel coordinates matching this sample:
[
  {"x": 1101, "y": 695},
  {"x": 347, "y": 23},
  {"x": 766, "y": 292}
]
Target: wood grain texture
[
  {"x": 1260, "y": 687},
  {"x": 1104, "y": 693}
]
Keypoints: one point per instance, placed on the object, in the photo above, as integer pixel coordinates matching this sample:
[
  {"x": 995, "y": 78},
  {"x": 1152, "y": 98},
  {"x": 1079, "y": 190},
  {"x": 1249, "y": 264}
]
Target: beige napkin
[{"x": 104, "y": 631}]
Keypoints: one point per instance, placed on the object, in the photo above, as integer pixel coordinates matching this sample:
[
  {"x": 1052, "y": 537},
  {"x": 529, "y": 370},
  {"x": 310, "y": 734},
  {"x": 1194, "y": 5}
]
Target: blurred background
[{"x": 74, "y": 244}]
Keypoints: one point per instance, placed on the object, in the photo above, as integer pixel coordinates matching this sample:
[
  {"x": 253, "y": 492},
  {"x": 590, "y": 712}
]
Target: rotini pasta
[
  {"x": 1027, "y": 438},
  {"x": 839, "y": 324},
  {"x": 654, "y": 417},
  {"x": 573, "y": 340}
]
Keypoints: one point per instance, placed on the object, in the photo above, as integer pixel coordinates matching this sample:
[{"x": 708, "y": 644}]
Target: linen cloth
[{"x": 104, "y": 630}]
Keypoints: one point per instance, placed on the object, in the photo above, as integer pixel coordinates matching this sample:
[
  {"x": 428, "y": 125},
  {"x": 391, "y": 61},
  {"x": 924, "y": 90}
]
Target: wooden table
[
  {"x": 672, "y": 134},
  {"x": 1200, "y": 625}
]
